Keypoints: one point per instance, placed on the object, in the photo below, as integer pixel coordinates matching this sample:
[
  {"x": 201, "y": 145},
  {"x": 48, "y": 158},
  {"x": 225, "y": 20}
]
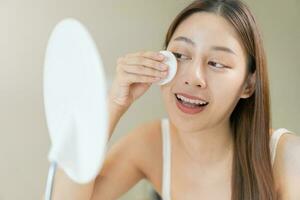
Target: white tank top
[{"x": 166, "y": 176}]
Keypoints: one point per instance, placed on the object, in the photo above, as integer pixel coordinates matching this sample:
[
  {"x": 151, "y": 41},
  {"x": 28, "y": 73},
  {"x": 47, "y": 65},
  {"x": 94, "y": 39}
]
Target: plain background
[{"x": 118, "y": 27}]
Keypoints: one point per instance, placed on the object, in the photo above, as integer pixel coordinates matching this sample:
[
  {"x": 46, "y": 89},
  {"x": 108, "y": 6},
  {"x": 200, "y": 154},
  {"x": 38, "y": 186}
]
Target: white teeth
[{"x": 198, "y": 102}]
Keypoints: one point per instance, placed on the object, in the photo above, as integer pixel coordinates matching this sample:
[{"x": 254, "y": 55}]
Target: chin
[{"x": 185, "y": 125}]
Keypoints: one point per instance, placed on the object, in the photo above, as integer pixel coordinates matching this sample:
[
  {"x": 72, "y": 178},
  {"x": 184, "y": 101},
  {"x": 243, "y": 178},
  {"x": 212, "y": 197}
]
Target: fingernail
[
  {"x": 160, "y": 56},
  {"x": 165, "y": 73},
  {"x": 163, "y": 66}
]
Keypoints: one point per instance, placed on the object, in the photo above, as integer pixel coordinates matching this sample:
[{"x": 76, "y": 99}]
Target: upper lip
[{"x": 191, "y": 96}]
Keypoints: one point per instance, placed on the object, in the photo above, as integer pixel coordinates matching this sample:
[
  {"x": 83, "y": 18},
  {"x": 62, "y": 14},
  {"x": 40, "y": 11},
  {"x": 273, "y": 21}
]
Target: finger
[
  {"x": 147, "y": 62},
  {"x": 137, "y": 78},
  {"x": 139, "y": 69},
  {"x": 148, "y": 54},
  {"x": 153, "y": 55}
]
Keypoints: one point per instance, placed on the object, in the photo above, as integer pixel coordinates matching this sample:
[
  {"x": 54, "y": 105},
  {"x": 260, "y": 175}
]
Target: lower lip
[{"x": 189, "y": 110}]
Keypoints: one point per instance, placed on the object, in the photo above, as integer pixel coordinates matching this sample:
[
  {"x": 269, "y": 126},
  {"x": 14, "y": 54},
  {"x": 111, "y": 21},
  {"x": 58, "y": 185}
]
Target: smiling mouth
[{"x": 190, "y": 104}]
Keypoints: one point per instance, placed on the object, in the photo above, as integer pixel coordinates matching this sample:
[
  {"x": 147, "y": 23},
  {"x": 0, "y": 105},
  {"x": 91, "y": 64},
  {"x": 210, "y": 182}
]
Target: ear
[{"x": 249, "y": 86}]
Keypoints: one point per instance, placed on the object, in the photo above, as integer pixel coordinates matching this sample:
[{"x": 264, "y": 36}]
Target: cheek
[
  {"x": 166, "y": 93},
  {"x": 226, "y": 88},
  {"x": 182, "y": 67}
]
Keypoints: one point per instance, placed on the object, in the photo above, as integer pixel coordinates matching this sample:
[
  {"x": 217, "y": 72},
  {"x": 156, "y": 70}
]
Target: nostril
[{"x": 188, "y": 84}]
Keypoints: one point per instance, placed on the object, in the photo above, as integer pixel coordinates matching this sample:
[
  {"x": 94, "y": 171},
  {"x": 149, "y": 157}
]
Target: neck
[{"x": 206, "y": 146}]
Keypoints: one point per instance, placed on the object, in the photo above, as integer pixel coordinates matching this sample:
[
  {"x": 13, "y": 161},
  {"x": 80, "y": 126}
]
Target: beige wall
[{"x": 119, "y": 27}]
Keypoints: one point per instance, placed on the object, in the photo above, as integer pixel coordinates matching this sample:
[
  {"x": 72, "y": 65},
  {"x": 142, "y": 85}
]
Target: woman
[{"x": 216, "y": 142}]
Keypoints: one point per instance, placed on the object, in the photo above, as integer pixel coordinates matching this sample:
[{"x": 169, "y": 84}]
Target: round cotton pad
[{"x": 171, "y": 61}]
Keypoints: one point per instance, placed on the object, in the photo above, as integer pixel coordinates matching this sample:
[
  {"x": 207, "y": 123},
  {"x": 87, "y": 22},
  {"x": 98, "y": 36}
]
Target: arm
[
  {"x": 135, "y": 74},
  {"x": 64, "y": 188},
  {"x": 119, "y": 173},
  {"x": 121, "y": 169}
]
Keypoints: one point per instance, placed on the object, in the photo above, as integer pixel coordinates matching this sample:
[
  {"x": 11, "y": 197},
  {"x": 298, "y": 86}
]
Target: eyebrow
[{"x": 215, "y": 48}]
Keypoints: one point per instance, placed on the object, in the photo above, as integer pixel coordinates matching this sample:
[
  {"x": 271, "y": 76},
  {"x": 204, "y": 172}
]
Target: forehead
[{"x": 208, "y": 29}]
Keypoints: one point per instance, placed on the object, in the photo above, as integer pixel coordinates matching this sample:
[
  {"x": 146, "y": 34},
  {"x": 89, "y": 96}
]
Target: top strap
[
  {"x": 166, "y": 181},
  {"x": 274, "y": 141}
]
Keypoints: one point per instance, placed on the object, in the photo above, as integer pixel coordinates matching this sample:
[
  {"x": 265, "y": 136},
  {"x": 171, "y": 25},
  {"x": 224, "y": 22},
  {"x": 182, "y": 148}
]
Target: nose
[{"x": 195, "y": 75}]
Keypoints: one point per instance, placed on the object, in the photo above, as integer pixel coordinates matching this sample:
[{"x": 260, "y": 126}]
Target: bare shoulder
[
  {"x": 150, "y": 145},
  {"x": 144, "y": 137},
  {"x": 287, "y": 166},
  {"x": 148, "y": 132},
  {"x": 130, "y": 159},
  {"x": 143, "y": 145}
]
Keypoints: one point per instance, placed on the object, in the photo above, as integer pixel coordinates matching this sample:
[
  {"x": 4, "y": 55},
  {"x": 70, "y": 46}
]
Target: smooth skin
[{"x": 201, "y": 152}]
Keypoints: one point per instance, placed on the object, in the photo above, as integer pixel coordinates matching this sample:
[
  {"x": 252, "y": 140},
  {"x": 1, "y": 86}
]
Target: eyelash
[
  {"x": 177, "y": 55},
  {"x": 223, "y": 66}
]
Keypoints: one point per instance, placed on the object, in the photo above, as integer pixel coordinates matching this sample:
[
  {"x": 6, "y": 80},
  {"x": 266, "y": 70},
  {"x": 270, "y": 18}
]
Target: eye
[
  {"x": 178, "y": 55},
  {"x": 216, "y": 65}
]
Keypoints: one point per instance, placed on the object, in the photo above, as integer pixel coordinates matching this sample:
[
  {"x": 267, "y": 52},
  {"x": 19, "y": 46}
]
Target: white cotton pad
[
  {"x": 171, "y": 61},
  {"x": 75, "y": 101}
]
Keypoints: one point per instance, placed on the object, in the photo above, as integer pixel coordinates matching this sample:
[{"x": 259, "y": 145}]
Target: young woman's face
[{"x": 211, "y": 66}]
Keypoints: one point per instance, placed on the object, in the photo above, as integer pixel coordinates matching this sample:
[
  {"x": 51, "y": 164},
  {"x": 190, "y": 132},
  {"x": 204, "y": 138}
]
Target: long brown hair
[{"x": 252, "y": 177}]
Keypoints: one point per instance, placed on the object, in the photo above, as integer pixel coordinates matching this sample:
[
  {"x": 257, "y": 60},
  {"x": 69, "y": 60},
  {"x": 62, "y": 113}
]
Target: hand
[{"x": 135, "y": 74}]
